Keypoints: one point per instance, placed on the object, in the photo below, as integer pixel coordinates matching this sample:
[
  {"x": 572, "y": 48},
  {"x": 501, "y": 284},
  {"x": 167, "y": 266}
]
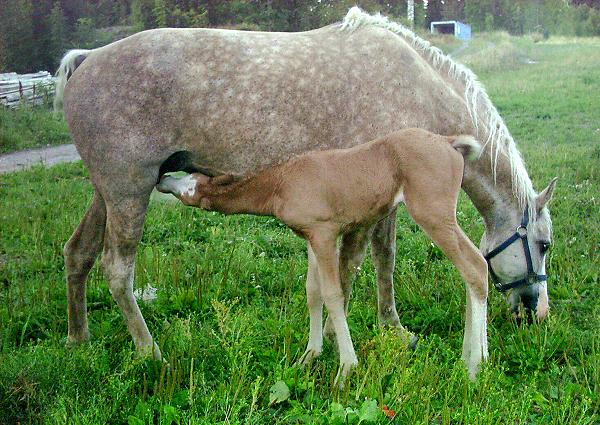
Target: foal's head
[{"x": 516, "y": 253}]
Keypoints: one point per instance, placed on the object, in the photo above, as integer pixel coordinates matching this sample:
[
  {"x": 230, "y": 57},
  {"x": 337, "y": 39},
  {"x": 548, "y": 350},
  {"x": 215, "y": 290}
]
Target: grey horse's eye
[{"x": 544, "y": 246}]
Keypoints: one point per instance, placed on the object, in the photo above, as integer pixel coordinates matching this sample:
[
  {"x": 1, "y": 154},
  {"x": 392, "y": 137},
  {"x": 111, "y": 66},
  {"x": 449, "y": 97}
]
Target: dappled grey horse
[{"x": 231, "y": 102}]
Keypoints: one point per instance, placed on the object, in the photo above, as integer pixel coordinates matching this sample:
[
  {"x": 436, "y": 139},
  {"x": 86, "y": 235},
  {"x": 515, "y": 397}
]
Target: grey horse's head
[{"x": 507, "y": 248}]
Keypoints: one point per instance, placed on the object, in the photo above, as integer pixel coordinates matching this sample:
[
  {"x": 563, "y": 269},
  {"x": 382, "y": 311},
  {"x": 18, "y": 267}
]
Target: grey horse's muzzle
[
  {"x": 529, "y": 297},
  {"x": 526, "y": 289}
]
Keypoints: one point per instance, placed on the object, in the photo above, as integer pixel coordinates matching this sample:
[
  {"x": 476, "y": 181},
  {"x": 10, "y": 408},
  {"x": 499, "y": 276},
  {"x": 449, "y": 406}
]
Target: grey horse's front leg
[
  {"x": 383, "y": 251},
  {"x": 383, "y": 247}
]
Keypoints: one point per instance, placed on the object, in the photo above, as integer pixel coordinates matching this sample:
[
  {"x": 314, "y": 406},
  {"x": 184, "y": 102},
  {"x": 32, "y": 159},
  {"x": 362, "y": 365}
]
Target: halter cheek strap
[{"x": 532, "y": 277}]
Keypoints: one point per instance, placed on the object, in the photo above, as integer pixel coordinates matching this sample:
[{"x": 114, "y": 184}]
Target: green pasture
[
  {"x": 31, "y": 127},
  {"x": 231, "y": 317}
]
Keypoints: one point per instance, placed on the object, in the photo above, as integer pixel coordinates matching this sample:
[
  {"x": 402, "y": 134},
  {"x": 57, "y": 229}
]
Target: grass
[
  {"x": 31, "y": 127},
  {"x": 231, "y": 318}
]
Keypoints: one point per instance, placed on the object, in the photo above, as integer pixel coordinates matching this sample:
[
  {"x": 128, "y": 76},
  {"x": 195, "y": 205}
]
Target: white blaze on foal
[{"x": 186, "y": 186}]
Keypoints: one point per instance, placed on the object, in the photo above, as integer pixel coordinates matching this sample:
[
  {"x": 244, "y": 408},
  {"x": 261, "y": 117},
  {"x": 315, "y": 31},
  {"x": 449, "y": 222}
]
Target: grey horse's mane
[{"x": 499, "y": 139}]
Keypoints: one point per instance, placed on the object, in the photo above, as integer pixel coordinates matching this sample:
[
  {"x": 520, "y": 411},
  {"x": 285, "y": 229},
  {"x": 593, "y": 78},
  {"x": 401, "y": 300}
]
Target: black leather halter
[{"x": 532, "y": 277}]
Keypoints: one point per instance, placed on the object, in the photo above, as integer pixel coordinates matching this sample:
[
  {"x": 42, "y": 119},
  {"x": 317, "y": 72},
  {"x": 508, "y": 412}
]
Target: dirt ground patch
[{"x": 46, "y": 156}]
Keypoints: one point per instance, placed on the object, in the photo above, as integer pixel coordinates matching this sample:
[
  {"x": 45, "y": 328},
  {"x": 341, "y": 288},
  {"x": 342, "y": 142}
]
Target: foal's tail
[
  {"x": 468, "y": 147},
  {"x": 69, "y": 63}
]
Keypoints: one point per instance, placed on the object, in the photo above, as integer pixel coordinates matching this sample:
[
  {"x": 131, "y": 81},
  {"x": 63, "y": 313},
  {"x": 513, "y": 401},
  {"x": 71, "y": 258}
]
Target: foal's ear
[
  {"x": 545, "y": 195},
  {"x": 222, "y": 180},
  {"x": 200, "y": 178}
]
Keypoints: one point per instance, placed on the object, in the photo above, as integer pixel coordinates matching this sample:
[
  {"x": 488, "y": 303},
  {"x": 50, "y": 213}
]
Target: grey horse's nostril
[
  {"x": 516, "y": 314},
  {"x": 530, "y": 299},
  {"x": 524, "y": 304}
]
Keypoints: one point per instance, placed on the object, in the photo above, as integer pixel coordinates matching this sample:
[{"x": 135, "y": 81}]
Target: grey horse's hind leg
[
  {"x": 80, "y": 254},
  {"x": 383, "y": 247},
  {"x": 124, "y": 226},
  {"x": 352, "y": 253}
]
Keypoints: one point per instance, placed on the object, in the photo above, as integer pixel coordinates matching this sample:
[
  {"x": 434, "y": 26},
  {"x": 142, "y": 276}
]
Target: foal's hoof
[
  {"x": 343, "y": 372},
  {"x": 309, "y": 355},
  {"x": 472, "y": 371},
  {"x": 150, "y": 352}
]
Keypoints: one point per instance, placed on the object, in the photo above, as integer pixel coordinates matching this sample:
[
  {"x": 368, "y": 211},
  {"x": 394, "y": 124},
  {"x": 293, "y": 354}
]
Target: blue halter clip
[{"x": 532, "y": 277}]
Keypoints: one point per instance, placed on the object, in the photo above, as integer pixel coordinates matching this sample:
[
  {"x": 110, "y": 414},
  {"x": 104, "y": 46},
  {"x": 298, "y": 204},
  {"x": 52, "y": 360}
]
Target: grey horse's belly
[{"x": 232, "y": 102}]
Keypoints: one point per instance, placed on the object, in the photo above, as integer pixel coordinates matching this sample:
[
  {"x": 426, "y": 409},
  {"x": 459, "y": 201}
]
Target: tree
[
  {"x": 589, "y": 3},
  {"x": 2, "y": 55},
  {"x": 84, "y": 33},
  {"x": 211, "y": 10},
  {"x": 58, "y": 32},
  {"x": 161, "y": 13},
  {"x": 434, "y": 11},
  {"x": 142, "y": 16},
  {"x": 17, "y": 35},
  {"x": 453, "y": 10}
]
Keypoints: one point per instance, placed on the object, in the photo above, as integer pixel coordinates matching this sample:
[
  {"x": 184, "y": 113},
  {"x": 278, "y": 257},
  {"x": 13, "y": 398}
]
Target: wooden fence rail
[{"x": 26, "y": 89}]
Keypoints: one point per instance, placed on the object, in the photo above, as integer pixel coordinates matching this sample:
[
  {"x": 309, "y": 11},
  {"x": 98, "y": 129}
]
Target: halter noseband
[{"x": 532, "y": 277}]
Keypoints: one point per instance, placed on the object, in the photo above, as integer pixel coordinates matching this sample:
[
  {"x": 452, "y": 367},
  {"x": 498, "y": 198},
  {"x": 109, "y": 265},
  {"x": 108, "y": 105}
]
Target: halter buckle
[{"x": 522, "y": 231}]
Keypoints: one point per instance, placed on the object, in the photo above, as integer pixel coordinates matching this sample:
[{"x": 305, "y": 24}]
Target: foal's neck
[{"x": 251, "y": 195}]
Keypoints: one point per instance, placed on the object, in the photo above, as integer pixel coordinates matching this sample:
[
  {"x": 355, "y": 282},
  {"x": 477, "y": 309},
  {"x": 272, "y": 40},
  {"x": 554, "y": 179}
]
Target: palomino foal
[{"x": 329, "y": 194}]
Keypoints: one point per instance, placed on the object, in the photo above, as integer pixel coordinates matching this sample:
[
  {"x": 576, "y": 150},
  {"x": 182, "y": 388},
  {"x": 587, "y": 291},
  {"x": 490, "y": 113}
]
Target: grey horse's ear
[{"x": 545, "y": 195}]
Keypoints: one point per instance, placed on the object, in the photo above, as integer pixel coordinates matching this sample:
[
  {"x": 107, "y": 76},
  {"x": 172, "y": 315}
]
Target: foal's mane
[{"x": 498, "y": 141}]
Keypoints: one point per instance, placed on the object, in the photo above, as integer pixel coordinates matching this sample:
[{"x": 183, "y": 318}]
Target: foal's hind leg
[
  {"x": 80, "y": 254},
  {"x": 124, "y": 226},
  {"x": 352, "y": 253},
  {"x": 438, "y": 220}
]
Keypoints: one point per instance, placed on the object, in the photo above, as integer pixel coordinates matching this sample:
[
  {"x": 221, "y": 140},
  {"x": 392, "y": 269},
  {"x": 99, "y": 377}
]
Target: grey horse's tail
[
  {"x": 468, "y": 147},
  {"x": 69, "y": 63}
]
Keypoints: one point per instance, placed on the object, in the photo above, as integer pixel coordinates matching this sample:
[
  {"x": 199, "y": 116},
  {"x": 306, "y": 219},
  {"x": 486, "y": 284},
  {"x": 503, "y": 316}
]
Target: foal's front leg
[
  {"x": 314, "y": 302},
  {"x": 325, "y": 250},
  {"x": 352, "y": 253},
  {"x": 442, "y": 228}
]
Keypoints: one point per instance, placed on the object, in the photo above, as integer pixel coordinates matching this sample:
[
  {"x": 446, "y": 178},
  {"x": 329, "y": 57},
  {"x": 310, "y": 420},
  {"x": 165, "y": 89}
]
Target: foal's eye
[{"x": 544, "y": 247}]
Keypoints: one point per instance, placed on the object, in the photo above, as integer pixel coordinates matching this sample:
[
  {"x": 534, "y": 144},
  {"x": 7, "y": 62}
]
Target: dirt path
[
  {"x": 49, "y": 156},
  {"x": 46, "y": 156}
]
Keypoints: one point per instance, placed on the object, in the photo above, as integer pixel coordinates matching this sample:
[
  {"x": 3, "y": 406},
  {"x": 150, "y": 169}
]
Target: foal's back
[{"x": 359, "y": 185}]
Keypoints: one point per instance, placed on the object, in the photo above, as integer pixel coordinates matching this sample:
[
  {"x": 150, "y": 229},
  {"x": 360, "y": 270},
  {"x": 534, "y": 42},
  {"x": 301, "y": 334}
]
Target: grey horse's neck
[{"x": 494, "y": 198}]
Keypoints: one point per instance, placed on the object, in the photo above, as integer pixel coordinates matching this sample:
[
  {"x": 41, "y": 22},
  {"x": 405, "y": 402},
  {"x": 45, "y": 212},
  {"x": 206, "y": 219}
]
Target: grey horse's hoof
[
  {"x": 413, "y": 340},
  {"x": 74, "y": 341}
]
